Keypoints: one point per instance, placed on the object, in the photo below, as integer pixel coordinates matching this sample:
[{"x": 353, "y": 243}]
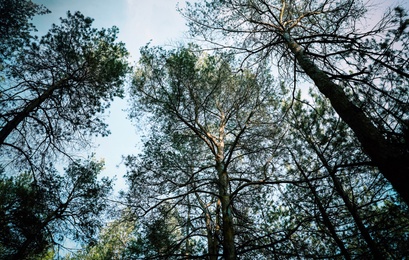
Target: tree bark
[
  {"x": 393, "y": 165},
  {"x": 211, "y": 230},
  {"x": 229, "y": 251}
]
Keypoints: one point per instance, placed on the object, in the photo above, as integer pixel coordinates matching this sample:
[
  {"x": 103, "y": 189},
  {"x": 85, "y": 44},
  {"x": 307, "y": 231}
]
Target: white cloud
[{"x": 155, "y": 20}]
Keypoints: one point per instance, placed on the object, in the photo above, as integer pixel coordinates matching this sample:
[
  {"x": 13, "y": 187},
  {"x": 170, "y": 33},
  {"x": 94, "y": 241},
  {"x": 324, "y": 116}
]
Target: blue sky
[{"x": 139, "y": 22}]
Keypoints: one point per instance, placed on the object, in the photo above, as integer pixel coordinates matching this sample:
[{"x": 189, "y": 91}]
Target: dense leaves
[
  {"x": 15, "y": 26},
  {"x": 213, "y": 123},
  {"x": 345, "y": 189},
  {"x": 297, "y": 181},
  {"x": 57, "y": 89},
  {"x": 40, "y": 213}
]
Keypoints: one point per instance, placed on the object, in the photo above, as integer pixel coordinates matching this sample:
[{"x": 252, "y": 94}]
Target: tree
[
  {"x": 343, "y": 193},
  {"x": 15, "y": 27},
  {"x": 57, "y": 89},
  {"x": 19, "y": 212},
  {"x": 54, "y": 91},
  {"x": 158, "y": 236},
  {"x": 37, "y": 214},
  {"x": 215, "y": 121},
  {"x": 113, "y": 242},
  {"x": 363, "y": 72},
  {"x": 172, "y": 172}
]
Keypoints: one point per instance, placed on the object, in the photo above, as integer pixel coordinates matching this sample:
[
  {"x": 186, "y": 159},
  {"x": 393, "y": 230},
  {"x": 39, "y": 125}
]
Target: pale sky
[{"x": 139, "y": 21}]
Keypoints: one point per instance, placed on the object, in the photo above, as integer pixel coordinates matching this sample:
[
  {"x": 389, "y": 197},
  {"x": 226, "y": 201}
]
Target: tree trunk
[
  {"x": 387, "y": 158},
  {"x": 373, "y": 247},
  {"x": 211, "y": 230},
  {"x": 229, "y": 251},
  {"x": 19, "y": 117},
  {"x": 187, "y": 245},
  {"x": 325, "y": 217}
]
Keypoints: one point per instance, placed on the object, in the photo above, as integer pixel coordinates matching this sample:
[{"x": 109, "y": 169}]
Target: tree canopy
[
  {"x": 15, "y": 26},
  {"x": 203, "y": 106},
  {"x": 57, "y": 89},
  {"x": 361, "y": 68},
  {"x": 54, "y": 91},
  {"x": 292, "y": 174},
  {"x": 37, "y": 214},
  {"x": 281, "y": 133}
]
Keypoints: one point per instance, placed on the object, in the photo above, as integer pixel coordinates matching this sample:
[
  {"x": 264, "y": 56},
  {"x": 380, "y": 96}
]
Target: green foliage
[
  {"x": 54, "y": 92},
  {"x": 208, "y": 118},
  {"x": 15, "y": 26},
  {"x": 158, "y": 236},
  {"x": 58, "y": 88},
  {"x": 344, "y": 182},
  {"x": 39, "y": 213},
  {"x": 21, "y": 208},
  {"x": 297, "y": 181},
  {"x": 113, "y": 242},
  {"x": 361, "y": 69}
]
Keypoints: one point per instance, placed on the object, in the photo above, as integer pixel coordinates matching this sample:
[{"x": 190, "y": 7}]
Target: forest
[{"x": 280, "y": 131}]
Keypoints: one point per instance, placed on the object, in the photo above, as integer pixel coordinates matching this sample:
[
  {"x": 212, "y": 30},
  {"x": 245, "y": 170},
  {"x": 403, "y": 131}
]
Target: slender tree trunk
[
  {"x": 358, "y": 221},
  {"x": 325, "y": 217},
  {"x": 211, "y": 230},
  {"x": 216, "y": 231},
  {"x": 373, "y": 247},
  {"x": 211, "y": 241},
  {"x": 229, "y": 251},
  {"x": 393, "y": 165},
  {"x": 187, "y": 245},
  {"x": 19, "y": 117}
]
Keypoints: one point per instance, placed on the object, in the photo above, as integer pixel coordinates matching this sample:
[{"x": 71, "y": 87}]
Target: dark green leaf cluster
[
  {"x": 40, "y": 213},
  {"x": 15, "y": 26},
  {"x": 21, "y": 210}
]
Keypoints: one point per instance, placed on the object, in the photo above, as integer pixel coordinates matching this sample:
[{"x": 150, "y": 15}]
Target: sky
[{"x": 139, "y": 21}]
